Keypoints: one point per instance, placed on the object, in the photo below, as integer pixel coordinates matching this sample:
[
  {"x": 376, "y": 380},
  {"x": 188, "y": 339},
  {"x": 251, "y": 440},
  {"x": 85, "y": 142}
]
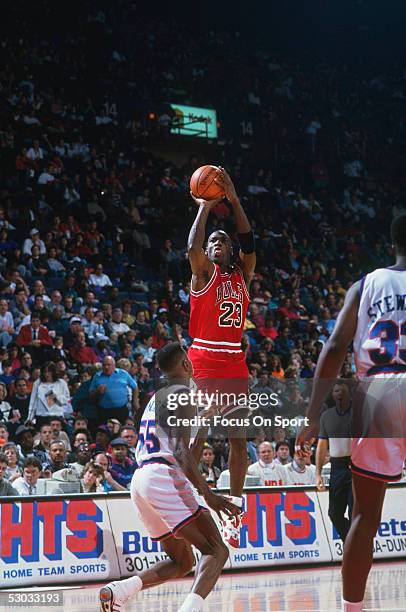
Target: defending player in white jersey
[
  {"x": 374, "y": 316},
  {"x": 163, "y": 494}
]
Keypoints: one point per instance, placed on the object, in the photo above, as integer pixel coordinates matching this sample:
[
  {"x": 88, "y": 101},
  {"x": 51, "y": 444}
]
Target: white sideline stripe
[
  {"x": 213, "y": 350},
  {"x": 217, "y": 342}
]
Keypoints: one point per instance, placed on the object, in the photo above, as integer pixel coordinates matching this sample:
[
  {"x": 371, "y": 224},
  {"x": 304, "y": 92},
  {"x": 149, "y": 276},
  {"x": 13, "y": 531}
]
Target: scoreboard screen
[{"x": 194, "y": 121}]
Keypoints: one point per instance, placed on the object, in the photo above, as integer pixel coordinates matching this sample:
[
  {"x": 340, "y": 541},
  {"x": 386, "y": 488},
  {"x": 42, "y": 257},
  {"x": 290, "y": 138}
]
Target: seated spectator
[
  {"x": 98, "y": 280},
  {"x": 207, "y": 468},
  {"x": 4, "y": 434},
  {"x": 45, "y": 436},
  {"x": 58, "y": 425},
  {"x": 298, "y": 473},
  {"x": 268, "y": 472},
  {"x": 276, "y": 367},
  {"x": 81, "y": 456},
  {"x": 117, "y": 326},
  {"x": 50, "y": 396},
  {"x": 282, "y": 452},
  {"x": 102, "y": 440},
  {"x": 284, "y": 344},
  {"x": 91, "y": 478},
  {"x": 57, "y": 459},
  {"x": 145, "y": 348},
  {"x": 130, "y": 435},
  {"x": 82, "y": 354},
  {"x": 122, "y": 467},
  {"x": 15, "y": 354},
  {"x": 108, "y": 482},
  {"x": 6, "y": 489},
  {"x": 24, "y": 438},
  {"x": 35, "y": 339},
  {"x": 221, "y": 450},
  {"x": 79, "y": 436},
  {"x": 27, "y": 483},
  {"x": 4, "y": 406},
  {"x": 79, "y": 422},
  {"x": 13, "y": 458},
  {"x": 6, "y": 324}
]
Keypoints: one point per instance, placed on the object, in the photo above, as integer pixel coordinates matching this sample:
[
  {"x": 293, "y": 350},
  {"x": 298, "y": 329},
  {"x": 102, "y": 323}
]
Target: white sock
[
  {"x": 348, "y": 606},
  {"x": 129, "y": 587},
  {"x": 238, "y": 501},
  {"x": 192, "y": 603}
]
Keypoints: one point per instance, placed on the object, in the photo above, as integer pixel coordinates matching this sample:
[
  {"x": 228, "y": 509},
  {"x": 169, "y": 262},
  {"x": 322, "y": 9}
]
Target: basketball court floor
[{"x": 300, "y": 590}]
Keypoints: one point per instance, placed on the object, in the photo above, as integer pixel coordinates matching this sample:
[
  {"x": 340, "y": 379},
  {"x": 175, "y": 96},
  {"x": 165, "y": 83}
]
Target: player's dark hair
[
  {"x": 398, "y": 233},
  {"x": 169, "y": 355}
]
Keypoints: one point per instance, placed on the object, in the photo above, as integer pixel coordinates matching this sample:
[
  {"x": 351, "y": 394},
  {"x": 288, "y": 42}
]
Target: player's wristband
[{"x": 247, "y": 242}]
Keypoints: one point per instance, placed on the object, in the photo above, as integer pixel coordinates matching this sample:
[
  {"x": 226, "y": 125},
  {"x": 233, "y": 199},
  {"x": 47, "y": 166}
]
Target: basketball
[{"x": 203, "y": 185}]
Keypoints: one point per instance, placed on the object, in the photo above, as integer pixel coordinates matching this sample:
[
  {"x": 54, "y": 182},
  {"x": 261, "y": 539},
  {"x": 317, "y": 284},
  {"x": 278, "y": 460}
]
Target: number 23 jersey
[
  {"x": 380, "y": 338},
  {"x": 217, "y": 317}
]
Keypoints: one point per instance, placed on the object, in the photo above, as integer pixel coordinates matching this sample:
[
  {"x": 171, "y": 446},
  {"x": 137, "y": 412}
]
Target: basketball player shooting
[
  {"x": 218, "y": 306},
  {"x": 163, "y": 494},
  {"x": 373, "y": 317}
]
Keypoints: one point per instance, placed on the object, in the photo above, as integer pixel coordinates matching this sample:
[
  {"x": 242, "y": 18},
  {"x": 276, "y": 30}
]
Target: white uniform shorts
[
  {"x": 164, "y": 499},
  {"x": 379, "y": 433}
]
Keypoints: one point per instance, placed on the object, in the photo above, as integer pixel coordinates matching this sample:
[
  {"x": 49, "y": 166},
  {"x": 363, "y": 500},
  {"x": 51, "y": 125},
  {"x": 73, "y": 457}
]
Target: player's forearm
[
  {"x": 197, "y": 447},
  {"x": 320, "y": 458},
  {"x": 189, "y": 467},
  {"x": 241, "y": 220},
  {"x": 197, "y": 232},
  {"x": 327, "y": 371}
]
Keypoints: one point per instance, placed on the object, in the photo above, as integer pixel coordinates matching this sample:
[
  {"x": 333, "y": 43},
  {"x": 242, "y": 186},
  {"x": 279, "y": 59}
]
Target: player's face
[{"x": 219, "y": 248}]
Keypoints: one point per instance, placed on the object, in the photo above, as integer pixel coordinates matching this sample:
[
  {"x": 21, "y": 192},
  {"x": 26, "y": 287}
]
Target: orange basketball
[{"x": 202, "y": 183}]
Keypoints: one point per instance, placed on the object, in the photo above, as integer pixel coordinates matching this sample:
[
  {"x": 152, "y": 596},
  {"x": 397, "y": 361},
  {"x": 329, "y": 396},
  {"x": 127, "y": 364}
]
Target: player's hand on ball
[
  {"x": 220, "y": 504},
  {"x": 209, "y": 203},
  {"x": 223, "y": 179}
]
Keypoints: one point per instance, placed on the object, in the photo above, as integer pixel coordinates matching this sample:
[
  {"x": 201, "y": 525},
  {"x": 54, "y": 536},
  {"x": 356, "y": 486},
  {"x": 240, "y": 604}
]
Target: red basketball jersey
[{"x": 217, "y": 314}]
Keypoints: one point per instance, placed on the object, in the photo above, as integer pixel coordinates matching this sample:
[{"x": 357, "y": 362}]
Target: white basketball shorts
[{"x": 164, "y": 499}]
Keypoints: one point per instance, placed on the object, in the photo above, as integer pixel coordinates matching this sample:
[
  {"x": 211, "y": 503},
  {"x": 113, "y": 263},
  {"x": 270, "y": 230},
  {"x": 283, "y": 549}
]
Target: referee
[{"x": 335, "y": 432}]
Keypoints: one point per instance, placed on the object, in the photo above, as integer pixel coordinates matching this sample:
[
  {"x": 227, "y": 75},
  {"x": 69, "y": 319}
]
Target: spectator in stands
[
  {"x": 108, "y": 482},
  {"x": 122, "y": 467},
  {"x": 24, "y": 438},
  {"x": 117, "y": 326},
  {"x": 206, "y": 466},
  {"x": 57, "y": 458},
  {"x": 130, "y": 435},
  {"x": 45, "y": 437},
  {"x": 4, "y": 406},
  {"x": 4, "y": 434},
  {"x": 109, "y": 389},
  {"x": 220, "y": 448},
  {"x": 268, "y": 472},
  {"x": 98, "y": 280},
  {"x": 298, "y": 473},
  {"x": 13, "y": 458},
  {"x": 35, "y": 339},
  {"x": 50, "y": 396},
  {"x": 81, "y": 456},
  {"x": 91, "y": 478},
  {"x": 145, "y": 348},
  {"x": 282, "y": 453},
  {"x": 79, "y": 436},
  {"x": 6, "y": 489},
  {"x": 6, "y": 324},
  {"x": 27, "y": 483},
  {"x": 102, "y": 439},
  {"x": 82, "y": 354}
]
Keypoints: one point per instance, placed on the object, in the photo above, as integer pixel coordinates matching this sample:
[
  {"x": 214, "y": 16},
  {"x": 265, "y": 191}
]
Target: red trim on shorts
[
  {"x": 188, "y": 520},
  {"x": 374, "y": 475}
]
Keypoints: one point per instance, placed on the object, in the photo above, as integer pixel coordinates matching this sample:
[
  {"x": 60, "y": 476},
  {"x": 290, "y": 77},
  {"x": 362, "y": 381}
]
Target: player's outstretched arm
[
  {"x": 330, "y": 362},
  {"x": 199, "y": 262},
  {"x": 247, "y": 254}
]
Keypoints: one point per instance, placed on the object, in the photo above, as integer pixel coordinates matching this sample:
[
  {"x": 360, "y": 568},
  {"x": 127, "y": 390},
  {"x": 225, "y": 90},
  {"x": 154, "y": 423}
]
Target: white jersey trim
[
  {"x": 218, "y": 342},
  {"x": 206, "y": 287},
  {"x": 216, "y": 350}
]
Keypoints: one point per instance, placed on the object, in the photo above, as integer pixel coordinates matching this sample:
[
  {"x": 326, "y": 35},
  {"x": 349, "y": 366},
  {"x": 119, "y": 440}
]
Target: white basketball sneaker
[
  {"x": 111, "y": 599},
  {"x": 231, "y": 530}
]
